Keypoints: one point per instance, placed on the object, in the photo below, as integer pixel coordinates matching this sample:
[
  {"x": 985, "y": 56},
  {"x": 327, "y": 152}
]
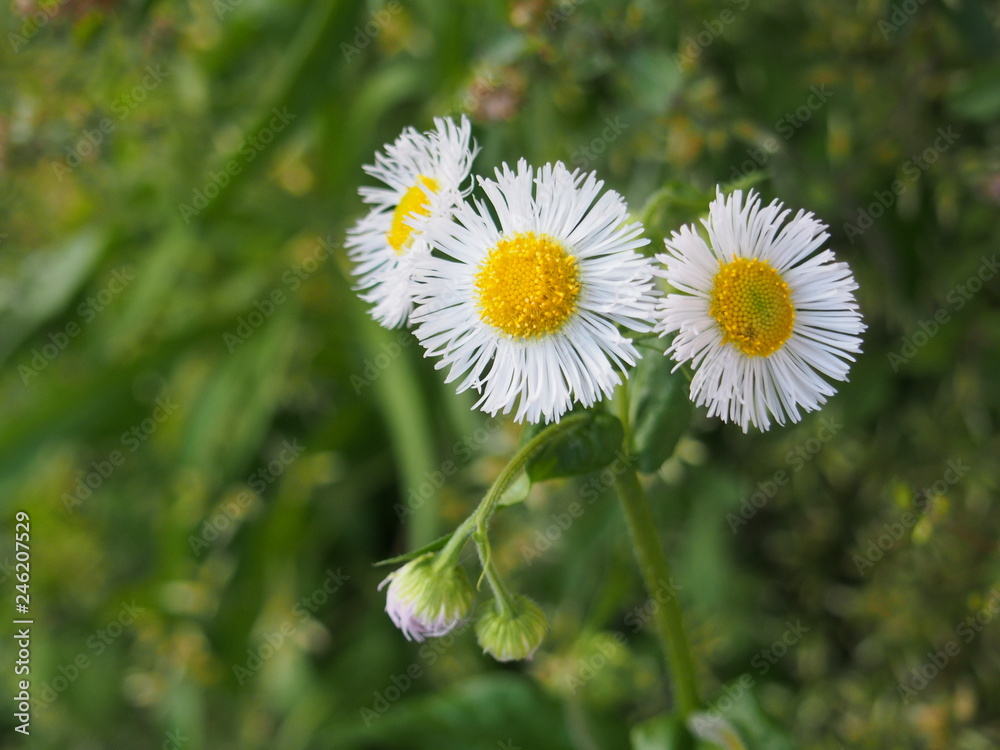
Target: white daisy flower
[
  {"x": 424, "y": 174},
  {"x": 758, "y": 315},
  {"x": 524, "y": 308}
]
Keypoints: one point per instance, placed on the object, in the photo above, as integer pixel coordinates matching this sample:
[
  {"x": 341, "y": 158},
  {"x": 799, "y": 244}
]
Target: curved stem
[
  {"x": 485, "y": 510},
  {"x": 652, "y": 205},
  {"x": 656, "y": 575},
  {"x": 503, "y": 597},
  {"x": 480, "y": 518},
  {"x": 448, "y": 556}
]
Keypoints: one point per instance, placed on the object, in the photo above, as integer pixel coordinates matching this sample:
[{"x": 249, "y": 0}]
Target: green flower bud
[
  {"x": 425, "y": 603},
  {"x": 508, "y": 636}
]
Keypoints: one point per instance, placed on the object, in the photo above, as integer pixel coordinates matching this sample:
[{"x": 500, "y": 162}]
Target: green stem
[
  {"x": 503, "y": 597},
  {"x": 480, "y": 518},
  {"x": 656, "y": 574},
  {"x": 448, "y": 556},
  {"x": 653, "y": 204},
  {"x": 485, "y": 510},
  {"x": 668, "y": 195},
  {"x": 643, "y": 336},
  {"x": 624, "y": 414}
]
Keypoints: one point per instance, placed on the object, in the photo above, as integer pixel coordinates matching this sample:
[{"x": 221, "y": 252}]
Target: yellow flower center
[
  {"x": 413, "y": 203},
  {"x": 752, "y": 305},
  {"x": 527, "y": 286}
]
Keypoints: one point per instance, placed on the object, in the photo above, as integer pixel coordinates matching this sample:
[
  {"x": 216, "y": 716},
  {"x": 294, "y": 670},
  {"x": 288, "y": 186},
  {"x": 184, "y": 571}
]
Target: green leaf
[
  {"x": 653, "y": 78},
  {"x": 977, "y": 97},
  {"x": 406, "y": 557},
  {"x": 972, "y": 19},
  {"x": 157, "y": 277},
  {"x": 516, "y": 492},
  {"x": 742, "y": 726},
  {"x": 755, "y": 728},
  {"x": 589, "y": 446},
  {"x": 481, "y": 713},
  {"x": 664, "y": 732},
  {"x": 46, "y": 285},
  {"x": 234, "y": 410},
  {"x": 659, "y": 410},
  {"x": 674, "y": 204},
  {"x": 745, "y": 182},
  {"x": 716, "y": 730}
]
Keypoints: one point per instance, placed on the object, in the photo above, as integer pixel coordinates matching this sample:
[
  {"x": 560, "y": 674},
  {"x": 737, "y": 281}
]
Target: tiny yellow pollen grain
[
  {"x": 753, "y": 306},
  {"x": 413, "y": 203},
  {"x": 527, "y": 286}
]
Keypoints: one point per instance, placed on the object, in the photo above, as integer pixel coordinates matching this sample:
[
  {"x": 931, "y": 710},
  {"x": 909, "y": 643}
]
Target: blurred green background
[{"x": 179, "y": 333}]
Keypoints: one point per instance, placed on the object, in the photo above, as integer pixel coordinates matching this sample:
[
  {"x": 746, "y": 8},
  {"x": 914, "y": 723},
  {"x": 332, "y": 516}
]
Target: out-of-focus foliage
[{"x": 215, "y": 443}]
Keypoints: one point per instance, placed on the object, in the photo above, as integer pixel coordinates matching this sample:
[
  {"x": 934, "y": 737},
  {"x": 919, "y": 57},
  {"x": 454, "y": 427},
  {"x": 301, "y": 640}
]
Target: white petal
[
  {"x": 385, "y": 277},
  {"x": 537, "y": 379},
  {"x": 753, "y": 390}
]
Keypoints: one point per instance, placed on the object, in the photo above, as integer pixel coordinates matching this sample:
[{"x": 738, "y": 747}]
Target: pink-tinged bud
[{"x": 425, "y": 603}]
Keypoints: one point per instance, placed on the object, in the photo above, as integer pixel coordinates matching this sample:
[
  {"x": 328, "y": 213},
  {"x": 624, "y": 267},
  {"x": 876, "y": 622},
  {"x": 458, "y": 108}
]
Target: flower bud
[
  {"x": 508, "y": 636},
  {"x": 426, "y": 603}
]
